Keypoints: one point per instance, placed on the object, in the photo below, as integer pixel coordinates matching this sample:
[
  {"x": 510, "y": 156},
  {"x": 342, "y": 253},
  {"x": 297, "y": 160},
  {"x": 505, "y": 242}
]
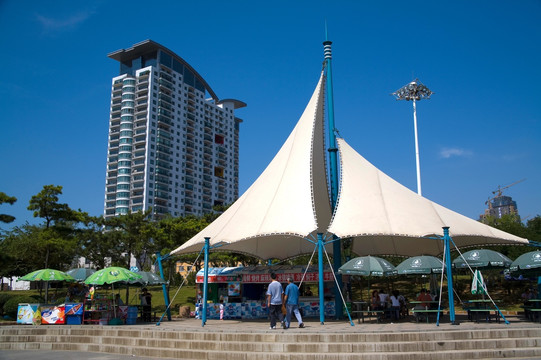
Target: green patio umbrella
[
  {"x": 482, "y": 258},
  {"x": 368, "y": 266},
  {"x": 148, "y": 278},
  {"x": 80, "y": 274},
  {"x": 527, "y": 264},
  {"x": 112, "y": 275},
  {"x": 420, "y": 265},
  {"x": 47, "y": 275}
]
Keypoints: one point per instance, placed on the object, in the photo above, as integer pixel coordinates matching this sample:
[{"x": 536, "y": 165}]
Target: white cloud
[
  {"x": 50, "y": 24},
  {"x": 447, "y": 153}
]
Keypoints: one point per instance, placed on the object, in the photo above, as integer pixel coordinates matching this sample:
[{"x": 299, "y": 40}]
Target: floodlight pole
[
  {"x": 414, "y": 91},
  {"x": 417, "y": 161},
  {"x": 333, "y": 171}
]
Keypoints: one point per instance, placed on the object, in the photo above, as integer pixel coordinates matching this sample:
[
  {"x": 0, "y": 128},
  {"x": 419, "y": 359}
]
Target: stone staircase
[{"x": 278, "y": 345}]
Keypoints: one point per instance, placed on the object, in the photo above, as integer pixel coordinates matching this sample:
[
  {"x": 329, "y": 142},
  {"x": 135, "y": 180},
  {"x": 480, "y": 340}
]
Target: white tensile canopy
[
  {"x": 385, "y": 218},
  {"x": 287, "y": 203}
]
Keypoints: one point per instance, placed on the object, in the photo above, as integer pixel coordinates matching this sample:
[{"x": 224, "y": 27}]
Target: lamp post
[{"x": 414, "y": 91}]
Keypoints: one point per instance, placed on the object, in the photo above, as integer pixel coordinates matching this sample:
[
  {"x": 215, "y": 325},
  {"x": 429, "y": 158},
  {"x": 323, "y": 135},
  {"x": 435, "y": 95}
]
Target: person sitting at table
[
  {"x": 383, "y": 298},
  {"x": 395, "y": 305},
  {"x": 527, "y": 295},
  {"x": 435, "y": 298},
  {"x": 118, "y": 300},
  {"x": 424, "y": 298},
  {"x": 146, "y": 304},
  {"x": 375, "y": 301}
]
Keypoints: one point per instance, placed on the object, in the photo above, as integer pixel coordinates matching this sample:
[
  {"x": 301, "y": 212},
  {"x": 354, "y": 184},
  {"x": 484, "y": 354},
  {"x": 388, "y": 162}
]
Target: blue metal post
[
  {"x": 448, "y": 265},
  {"x": 333, "y": 171},
  {"x": 321, "y": 285},
  {"x": 205, "y": 282},
  {"x": 164, "y": 287}
]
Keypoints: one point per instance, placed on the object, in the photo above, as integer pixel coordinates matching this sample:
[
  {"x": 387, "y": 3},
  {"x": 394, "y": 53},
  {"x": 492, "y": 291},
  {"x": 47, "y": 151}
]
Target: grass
[{"x": 185, "y": 296}]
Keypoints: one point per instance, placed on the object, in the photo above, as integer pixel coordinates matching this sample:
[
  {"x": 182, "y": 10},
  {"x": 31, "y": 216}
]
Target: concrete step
[
  {"x": 281, "y": 347},
  {"x": 151, "y": 352},
  {"x": 273, "y": 345}
]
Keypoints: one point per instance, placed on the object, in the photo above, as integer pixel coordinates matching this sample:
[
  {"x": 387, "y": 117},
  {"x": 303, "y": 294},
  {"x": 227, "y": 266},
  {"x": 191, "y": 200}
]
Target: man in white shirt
[{"x": 275, "y": 294}]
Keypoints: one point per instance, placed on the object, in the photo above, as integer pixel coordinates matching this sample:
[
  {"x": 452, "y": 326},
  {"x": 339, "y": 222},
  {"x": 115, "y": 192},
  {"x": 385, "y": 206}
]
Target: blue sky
[{"x": 480, "y": 130}]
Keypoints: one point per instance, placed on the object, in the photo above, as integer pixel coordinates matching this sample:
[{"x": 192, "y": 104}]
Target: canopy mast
[{"x": 333, "y": 162}]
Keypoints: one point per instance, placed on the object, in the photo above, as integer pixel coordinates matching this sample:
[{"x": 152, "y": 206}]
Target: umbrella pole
[
  {"x": 46, "y": 292},
  {"x": 114, "y": 305}
]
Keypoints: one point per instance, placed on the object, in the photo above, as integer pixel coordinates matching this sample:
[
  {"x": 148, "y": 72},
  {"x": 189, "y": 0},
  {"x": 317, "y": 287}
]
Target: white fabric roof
[
  {"x": 386, "y": 218},
  {"x": 288, "y": 201}
]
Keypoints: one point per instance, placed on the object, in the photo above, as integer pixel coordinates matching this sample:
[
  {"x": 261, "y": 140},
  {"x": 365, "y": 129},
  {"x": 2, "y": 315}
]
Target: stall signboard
[
  {"x": 28, "y": 314},
  {"x": 216, "y": 276},
  {"x": 282, "y": 277},
  {"x": 233, "y": 288},
  {"x": 53, "y": 314}
]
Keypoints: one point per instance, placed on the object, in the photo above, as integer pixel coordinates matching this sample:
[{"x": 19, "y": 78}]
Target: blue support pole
[
  {"x": 448, "y": 265},
  {"x": 333, "y": 171},
  {"x": 164, "y": 287},
  {"x": 205, "y": 282},
  {"x": 321, "y": 284}
]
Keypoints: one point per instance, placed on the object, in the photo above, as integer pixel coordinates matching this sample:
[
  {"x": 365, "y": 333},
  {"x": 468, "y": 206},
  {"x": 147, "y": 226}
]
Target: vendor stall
[{"x": 242, "y": 290}]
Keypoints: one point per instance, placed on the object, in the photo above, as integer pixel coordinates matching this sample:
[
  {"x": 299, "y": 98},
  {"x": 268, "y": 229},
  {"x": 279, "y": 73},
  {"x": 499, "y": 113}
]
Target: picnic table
[
  {"x": 482, "y": 307},
  {"x": 426, "y": 310},
  {"x": 362, "y": 309},
  {"x": 533, "y": 311}
]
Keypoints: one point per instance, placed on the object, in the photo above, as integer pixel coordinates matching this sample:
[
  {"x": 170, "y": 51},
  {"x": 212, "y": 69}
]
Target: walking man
[
  {"x": 292, "y": 303},
  {"x": 275, "y": 294}
]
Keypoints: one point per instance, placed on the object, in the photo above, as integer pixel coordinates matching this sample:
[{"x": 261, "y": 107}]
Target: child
[{"x": 222, "y": 310}]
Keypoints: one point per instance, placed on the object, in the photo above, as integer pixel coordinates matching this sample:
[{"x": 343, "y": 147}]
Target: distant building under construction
[{"x": 499, "y": 206}]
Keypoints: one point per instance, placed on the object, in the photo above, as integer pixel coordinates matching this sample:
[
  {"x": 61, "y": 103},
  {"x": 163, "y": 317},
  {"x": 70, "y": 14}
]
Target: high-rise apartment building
[{"x": 173, "y": 144}]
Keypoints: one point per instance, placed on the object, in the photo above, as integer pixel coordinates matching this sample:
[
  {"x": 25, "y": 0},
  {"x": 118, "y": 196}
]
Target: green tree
[
  {"x": 534, "y": 229},
  {"x": 59, "y": 225},
  {"x": 511, "y": 224},
  {"x": 10, "y": 200},
  {"x": 173, "y": 232},
  {"x": 134, "y": 232},
  {"x": 98, "y": 245}
]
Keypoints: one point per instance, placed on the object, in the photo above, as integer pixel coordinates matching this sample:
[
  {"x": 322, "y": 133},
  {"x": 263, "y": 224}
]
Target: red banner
[{"x": 265, "y": 278}]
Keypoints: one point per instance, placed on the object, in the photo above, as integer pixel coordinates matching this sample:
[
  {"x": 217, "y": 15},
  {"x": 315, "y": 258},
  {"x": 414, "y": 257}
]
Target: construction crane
[
  {"x": 500, "y": 189},
  {"x": 499, "y": 192}
]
